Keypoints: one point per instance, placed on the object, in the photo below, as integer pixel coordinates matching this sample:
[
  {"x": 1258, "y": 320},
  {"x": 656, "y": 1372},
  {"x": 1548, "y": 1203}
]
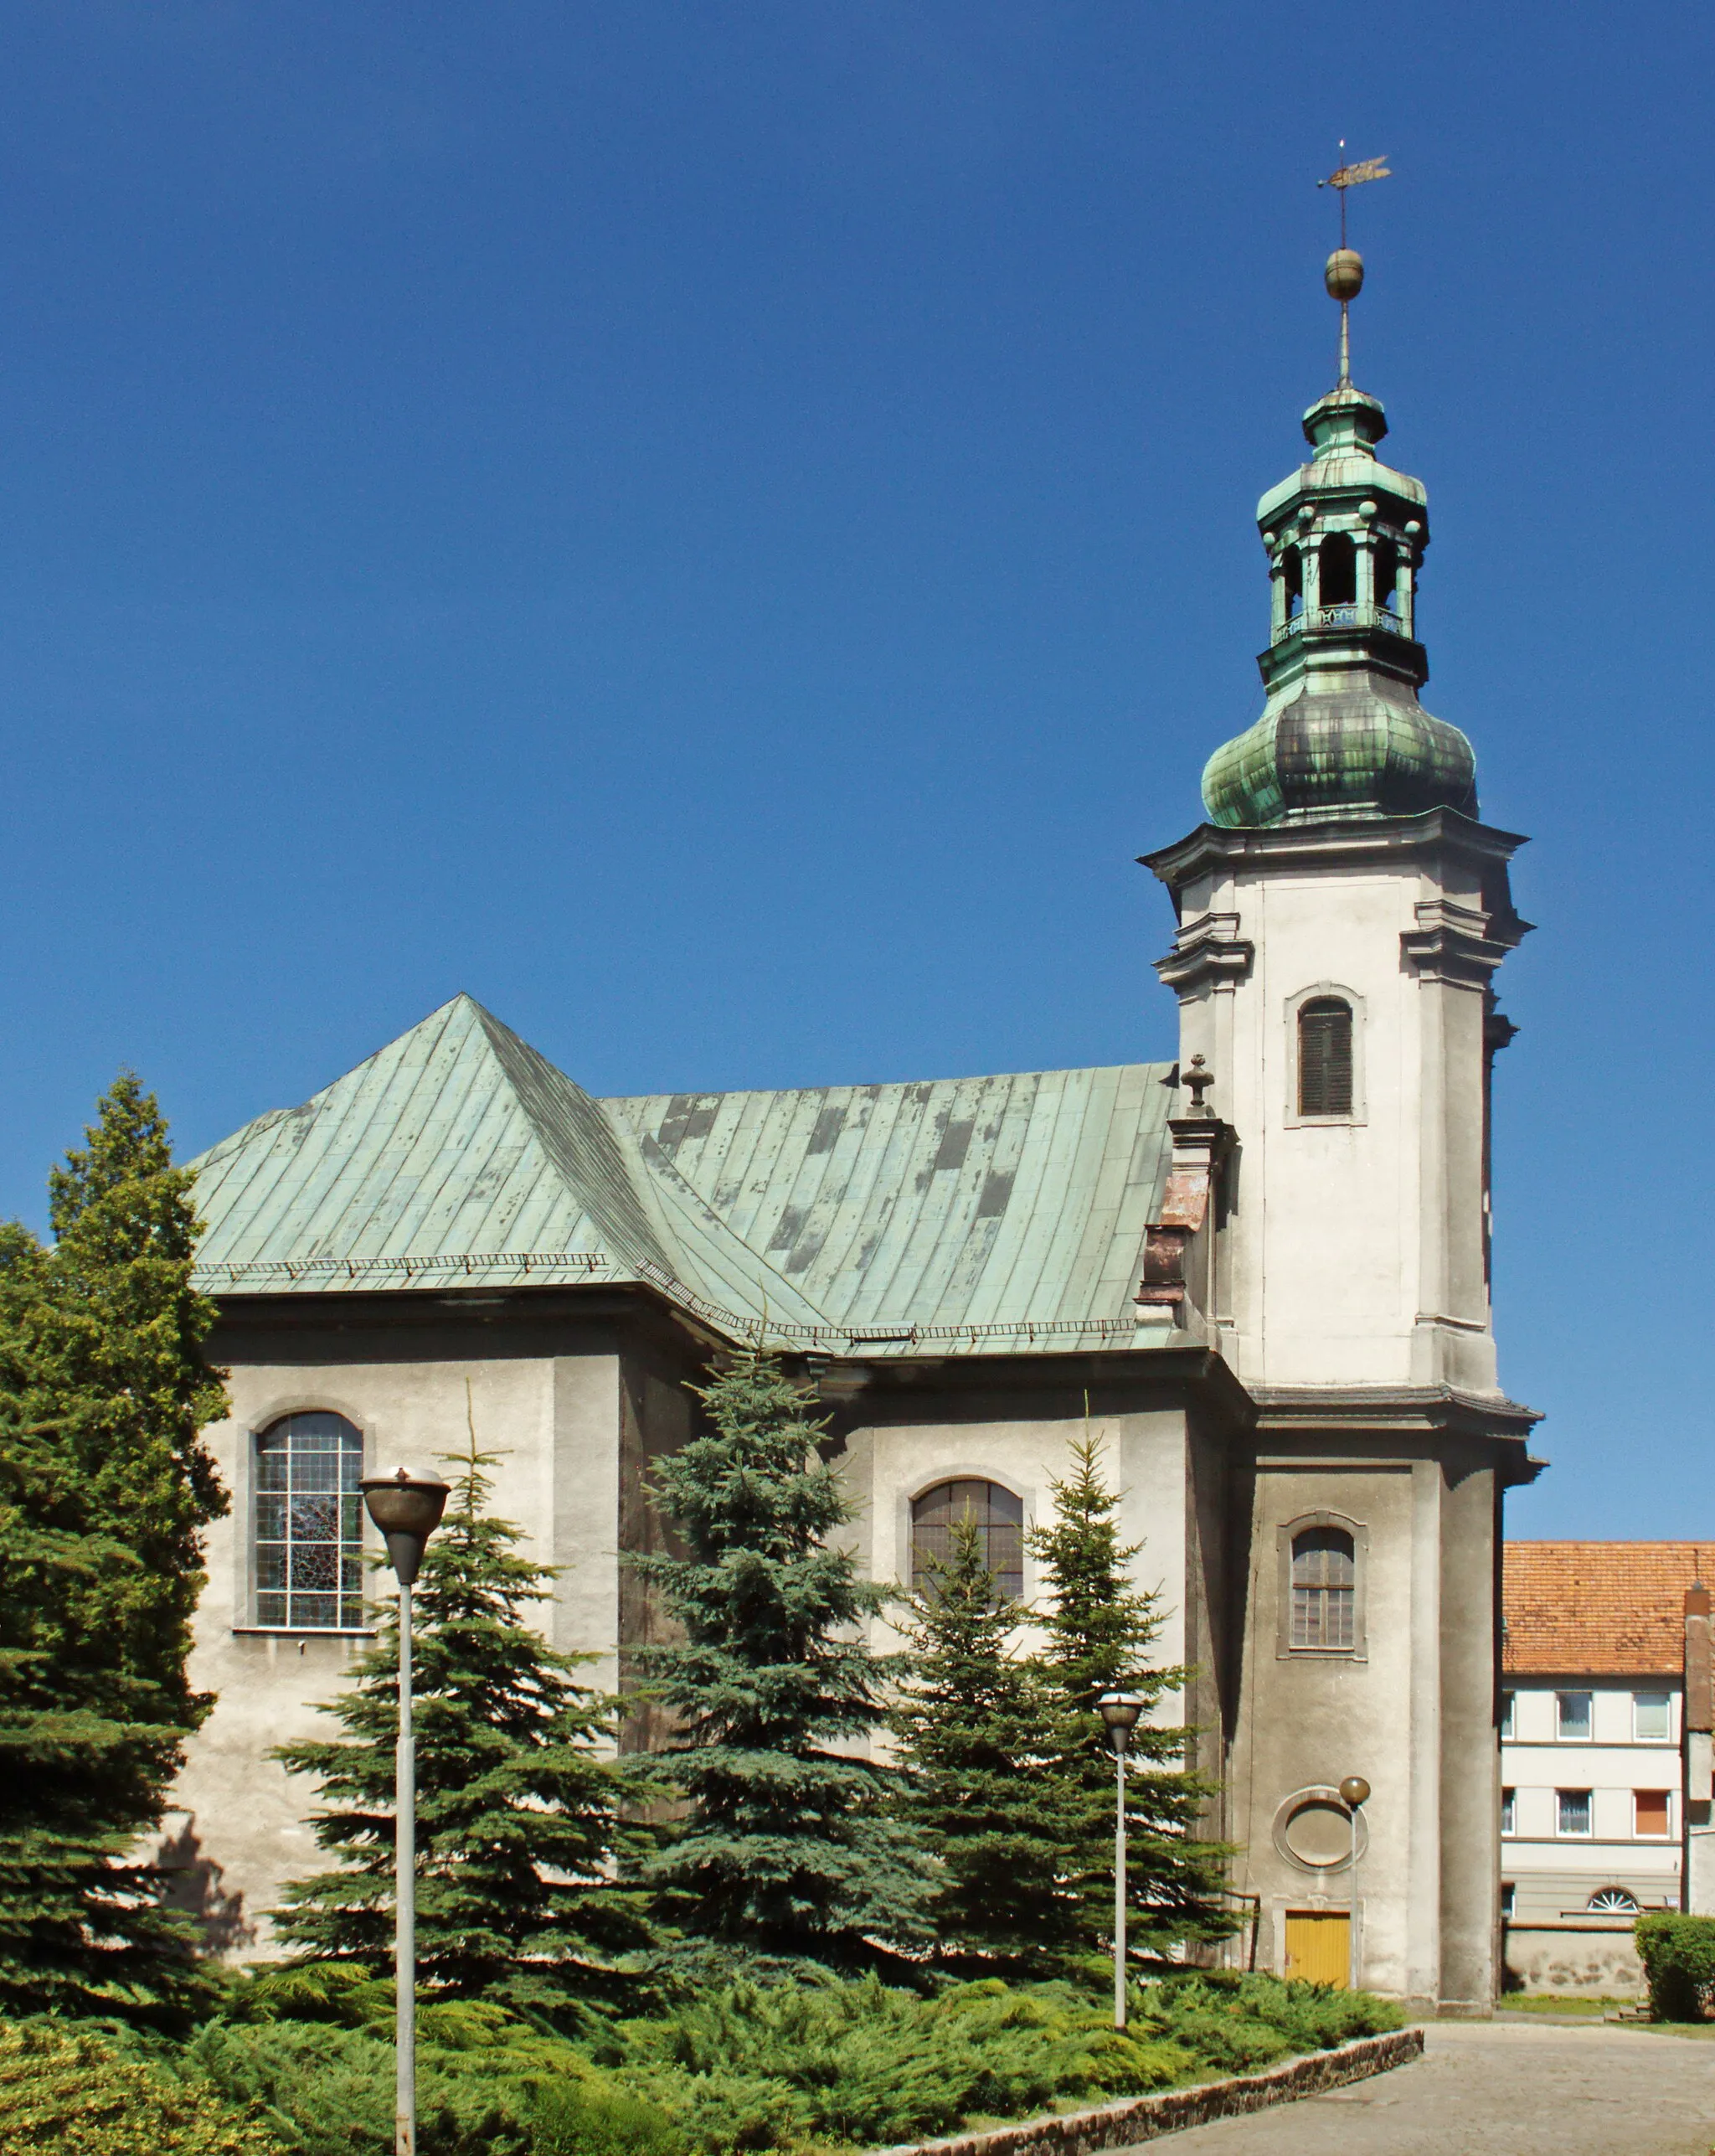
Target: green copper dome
[{"x": 1343, "y": 733}]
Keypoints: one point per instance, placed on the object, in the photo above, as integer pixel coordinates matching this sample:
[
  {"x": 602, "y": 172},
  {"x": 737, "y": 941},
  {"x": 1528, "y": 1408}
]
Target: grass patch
[{"x": 1549, "y": 2002}]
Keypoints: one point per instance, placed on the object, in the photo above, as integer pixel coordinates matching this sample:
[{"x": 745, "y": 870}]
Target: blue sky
[{"x": 723, "y": 529}]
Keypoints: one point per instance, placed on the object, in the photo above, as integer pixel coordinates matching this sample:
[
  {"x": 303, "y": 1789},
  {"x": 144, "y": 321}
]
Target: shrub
[
  {"x": 750, "y": 2067},
  {"x": 1678, "y": 1955},
  {"x": 313, "y": 2054},
  {"x": 1240, "y": 2023},
  {"x": 75, "y": 2093},
  {"x": 593, "y": 2119}
]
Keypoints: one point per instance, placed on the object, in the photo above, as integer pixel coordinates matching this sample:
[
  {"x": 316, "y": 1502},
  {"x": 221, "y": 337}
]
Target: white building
[
  {"x": 1594, "y": 1799},
  {"x": 1260, "y": 1272}
]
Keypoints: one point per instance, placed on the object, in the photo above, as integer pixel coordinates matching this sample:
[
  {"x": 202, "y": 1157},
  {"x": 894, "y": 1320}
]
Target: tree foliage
[
  {"x": 977, "y": 1724},
  {"x": 1099, "y": 1627},
  {"x": 788, "y": 1853},
  {"x": 106, "y": 1488},
  {"x": 518, "y": 1813}
]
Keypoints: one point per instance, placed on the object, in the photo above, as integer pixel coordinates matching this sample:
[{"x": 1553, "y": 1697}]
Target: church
[{"x": 1258, "y": 1275}]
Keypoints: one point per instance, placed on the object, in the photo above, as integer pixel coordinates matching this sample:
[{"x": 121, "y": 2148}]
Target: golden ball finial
[{"x": 1344, "y": 274}]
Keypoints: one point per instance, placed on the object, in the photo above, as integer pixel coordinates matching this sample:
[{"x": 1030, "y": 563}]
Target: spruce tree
[
  {"x": 1100, "y": 1627},
  {"x": 977, "y": 1724},
  {"x": 106, "y": 1488},
  {"x": 788, "y": 1854},
  {"x": 518, "y": 1813}
]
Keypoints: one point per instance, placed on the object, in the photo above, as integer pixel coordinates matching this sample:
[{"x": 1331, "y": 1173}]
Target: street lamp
[
  {"x": 1120, "y": 1711},
  {"x": 1354, "y": 1794},
  {"x": 407, "y": 1509}
]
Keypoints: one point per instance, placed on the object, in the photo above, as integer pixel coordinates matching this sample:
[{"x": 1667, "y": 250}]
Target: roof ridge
[{"x": 581, "y": 1143}]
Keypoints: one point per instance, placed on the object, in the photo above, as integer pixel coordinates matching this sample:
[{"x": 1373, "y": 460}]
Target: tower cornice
[{"x": 1341, "y": 843}]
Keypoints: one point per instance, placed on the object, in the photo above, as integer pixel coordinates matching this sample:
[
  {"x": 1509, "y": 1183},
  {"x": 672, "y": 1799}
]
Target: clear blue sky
[{"x": 722, "y": 529}]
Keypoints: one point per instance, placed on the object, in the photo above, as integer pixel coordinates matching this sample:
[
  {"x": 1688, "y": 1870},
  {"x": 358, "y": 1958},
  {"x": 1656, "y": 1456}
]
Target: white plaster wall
[
  {"x": 1353, "y": 1250},
  {"x": 1143, "y": 1455},
  {"x": 555, "y": 1422}
]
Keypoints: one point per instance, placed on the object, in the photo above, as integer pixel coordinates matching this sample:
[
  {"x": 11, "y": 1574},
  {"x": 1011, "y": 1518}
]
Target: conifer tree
[
  {"x": 106, "y": 1488},
  {"x": 1100, "y": 1627},
  {"x": 788, "y": 1854},
  {"x": 518, "y": 1813},
  {"x": 977, "y": 1725}
]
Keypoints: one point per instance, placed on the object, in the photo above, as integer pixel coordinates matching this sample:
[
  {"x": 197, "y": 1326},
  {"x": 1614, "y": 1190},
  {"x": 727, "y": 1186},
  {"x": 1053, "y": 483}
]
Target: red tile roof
[{"x": 1599, "y": 1609}]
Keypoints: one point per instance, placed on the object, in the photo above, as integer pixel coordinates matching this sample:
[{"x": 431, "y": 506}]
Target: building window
[
  {"x": 309, "y": 1529},
  {"x": 1612, "y": 1901},
  {"x": 1509, "y": 1811},
  {"x": 1572, "y": 1716},
  {"x": 1650, "y": 1812},
  {"x": 1507, "y": 1891},
  {"x": 1336, "y": 585},
  {"x": 1651, "y": 1717},
  {"x": 999, "y": 1518},
  {"x": 1507, "y": 1705},
  {"x": 1571, "y": 1810},
  {"x": 1324, "y": 1589},
  {"x": 1325, "y": 1057}
]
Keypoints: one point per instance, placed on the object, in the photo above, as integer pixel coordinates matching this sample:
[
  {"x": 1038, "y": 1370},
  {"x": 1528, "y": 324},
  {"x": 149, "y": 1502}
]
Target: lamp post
[
  {"x": 1120, "y": 1711},
  {"x": 1354, "y": 1794},
  {"x": 407, "y": 1509}
]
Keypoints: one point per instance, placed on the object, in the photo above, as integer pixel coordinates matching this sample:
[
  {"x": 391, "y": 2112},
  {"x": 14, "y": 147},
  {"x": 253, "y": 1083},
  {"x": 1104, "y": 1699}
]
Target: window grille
[
  {"x": 309, "y": 1527},
  {"x": 999, "y": 1518},
  {"x": 1612, "y": 1901},
  {"x": 1325, "y": 1057},
  {"x": 1324, "y": 1589}
]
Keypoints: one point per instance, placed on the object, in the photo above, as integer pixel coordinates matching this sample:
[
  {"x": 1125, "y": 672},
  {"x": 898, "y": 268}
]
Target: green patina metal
[
  {"x": 981, "y": 1212},
  {"x": 1343, "y": 733}
]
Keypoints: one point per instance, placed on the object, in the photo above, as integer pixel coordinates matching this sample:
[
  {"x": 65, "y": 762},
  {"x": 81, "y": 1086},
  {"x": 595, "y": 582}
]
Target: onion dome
[{"x": 1343, "y": 733}]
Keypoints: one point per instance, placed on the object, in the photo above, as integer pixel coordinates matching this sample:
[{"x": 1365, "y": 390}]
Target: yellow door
[{"x": 1319, "y": 1947}]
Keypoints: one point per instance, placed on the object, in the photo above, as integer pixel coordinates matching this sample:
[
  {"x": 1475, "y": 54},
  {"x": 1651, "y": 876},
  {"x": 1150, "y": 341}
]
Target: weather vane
[{"x": 1344, "y": 274}]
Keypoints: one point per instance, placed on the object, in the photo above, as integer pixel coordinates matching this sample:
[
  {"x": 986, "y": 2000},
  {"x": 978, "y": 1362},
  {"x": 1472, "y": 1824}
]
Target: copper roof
[
  {"x": 1599, "y": 1609},
  {"x": 998, "y": 1214}
]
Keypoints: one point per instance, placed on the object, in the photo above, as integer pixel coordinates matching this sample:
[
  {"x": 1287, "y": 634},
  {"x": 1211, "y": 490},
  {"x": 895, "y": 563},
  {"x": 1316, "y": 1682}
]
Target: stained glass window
[
  {"x": 999, "y": 1518},
  {"x": 310, "y": 1524}
]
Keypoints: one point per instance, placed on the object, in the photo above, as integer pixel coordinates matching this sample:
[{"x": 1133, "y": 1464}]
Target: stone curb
[{"x": 1146, "y": 2118}]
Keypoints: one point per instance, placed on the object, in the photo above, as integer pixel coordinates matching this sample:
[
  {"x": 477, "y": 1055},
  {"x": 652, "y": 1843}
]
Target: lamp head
[
  {"x": 406, "y": 1504},
  {"x": 1354, "y": 1791},
  {"x": 1120, "y": 1711}
]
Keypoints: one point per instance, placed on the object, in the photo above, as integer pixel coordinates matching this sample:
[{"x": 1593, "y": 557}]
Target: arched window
[
  {"x": 1325, "y": 1057},
  {"x": 1612, "y": 1901},
  {"x": 1337, "y": 584},
  {"x": 999, "y": 1518},
  {"x": 1387, "y": 575},
  {"x": 1294, "y": 573},
  {"x": 309, "y": 1523},
  {"x": 1324, "y": 1588}
]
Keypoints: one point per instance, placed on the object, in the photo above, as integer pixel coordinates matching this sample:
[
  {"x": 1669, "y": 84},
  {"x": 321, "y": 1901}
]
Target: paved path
[{"x": 1499, "y": 2088}]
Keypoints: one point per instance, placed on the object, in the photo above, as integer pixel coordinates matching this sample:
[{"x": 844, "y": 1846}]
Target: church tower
[{"x": 1341, "y": 917}]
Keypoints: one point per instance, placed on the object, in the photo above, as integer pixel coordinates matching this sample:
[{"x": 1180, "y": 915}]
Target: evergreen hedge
[
  {"x": 70, "y": 2091},
  {"x": 1678, "y": 1955}
]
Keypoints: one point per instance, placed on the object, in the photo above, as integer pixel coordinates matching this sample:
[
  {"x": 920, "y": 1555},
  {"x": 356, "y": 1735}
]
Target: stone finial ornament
[{"x": 1199, "y": 1080}]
